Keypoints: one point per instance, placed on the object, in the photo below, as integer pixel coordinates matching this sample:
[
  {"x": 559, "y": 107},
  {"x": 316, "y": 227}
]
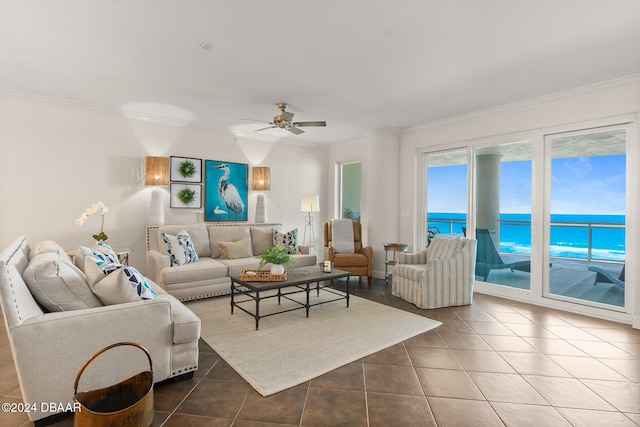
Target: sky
[{"x": 579, "y": 185}]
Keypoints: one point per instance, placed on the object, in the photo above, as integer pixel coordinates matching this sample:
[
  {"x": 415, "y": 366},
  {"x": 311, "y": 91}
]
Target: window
[{"x": 350, "y": 189}]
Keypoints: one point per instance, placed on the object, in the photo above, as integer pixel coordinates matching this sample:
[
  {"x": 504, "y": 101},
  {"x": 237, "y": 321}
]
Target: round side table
[{"x": 392, "y": 248}]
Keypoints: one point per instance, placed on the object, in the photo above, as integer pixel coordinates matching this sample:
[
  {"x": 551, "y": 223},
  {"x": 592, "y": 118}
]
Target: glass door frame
[
  {"x": 548, "y": 139},
  {"x": 539, "y": 208},
  {"x": 420, "y": 241}
]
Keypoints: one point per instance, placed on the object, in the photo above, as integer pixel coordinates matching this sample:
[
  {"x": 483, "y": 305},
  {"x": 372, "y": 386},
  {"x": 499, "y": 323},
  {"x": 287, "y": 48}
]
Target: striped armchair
[{"x": 442, "y": 275}]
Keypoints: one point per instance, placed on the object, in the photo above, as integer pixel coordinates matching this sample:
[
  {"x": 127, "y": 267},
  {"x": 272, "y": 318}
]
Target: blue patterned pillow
[
  {"x": 179, "y": 248},
  {"x": 103, "y": 257},
  {"x": 115, "y": 283},
  {"x": 287, "y": 241}
]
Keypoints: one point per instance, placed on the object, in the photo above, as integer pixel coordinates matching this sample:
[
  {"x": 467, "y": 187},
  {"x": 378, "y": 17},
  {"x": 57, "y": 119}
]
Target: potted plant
[{"x": 276, "y": 256}]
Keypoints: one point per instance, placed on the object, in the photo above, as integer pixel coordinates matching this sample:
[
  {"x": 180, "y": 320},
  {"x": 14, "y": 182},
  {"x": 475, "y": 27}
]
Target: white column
[{"x": 488, "y": 197}]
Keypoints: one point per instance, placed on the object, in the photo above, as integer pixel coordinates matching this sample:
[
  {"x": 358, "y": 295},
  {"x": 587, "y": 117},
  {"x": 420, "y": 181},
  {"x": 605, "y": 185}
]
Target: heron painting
[{"x": 226, "y": 188}]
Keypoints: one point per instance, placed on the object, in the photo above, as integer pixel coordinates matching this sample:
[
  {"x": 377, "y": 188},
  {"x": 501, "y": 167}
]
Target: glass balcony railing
[{"x": 571, "y": 237}]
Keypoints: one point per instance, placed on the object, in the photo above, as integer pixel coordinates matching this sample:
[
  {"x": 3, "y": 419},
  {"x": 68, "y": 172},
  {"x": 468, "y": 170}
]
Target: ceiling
[{"x": 361, "y": 65}]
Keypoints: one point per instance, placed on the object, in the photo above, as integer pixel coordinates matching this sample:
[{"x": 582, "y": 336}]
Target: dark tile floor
[{"x": 495, "y": 362}]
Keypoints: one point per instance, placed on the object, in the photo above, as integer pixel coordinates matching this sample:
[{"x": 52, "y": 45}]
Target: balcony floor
[{"x": 569, "y": 278}]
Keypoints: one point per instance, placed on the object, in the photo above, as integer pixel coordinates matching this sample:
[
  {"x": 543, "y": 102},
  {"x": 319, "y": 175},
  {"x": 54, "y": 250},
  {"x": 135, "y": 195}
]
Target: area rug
[{"x": 290, "y": 349}]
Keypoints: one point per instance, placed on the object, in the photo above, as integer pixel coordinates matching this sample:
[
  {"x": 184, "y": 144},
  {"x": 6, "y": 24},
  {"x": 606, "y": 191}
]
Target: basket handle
[{"x": 99, "y": 352}]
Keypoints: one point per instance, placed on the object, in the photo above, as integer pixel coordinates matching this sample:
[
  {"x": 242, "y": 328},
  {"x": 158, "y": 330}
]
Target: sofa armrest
[
  {"x": 413, "y": 258},
  {"x": 156, "y": 261},
  {"x": 49, "y": 349}
]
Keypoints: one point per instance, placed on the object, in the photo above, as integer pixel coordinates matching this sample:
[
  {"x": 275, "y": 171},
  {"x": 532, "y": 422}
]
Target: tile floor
[{"x": 493, "y": 363}]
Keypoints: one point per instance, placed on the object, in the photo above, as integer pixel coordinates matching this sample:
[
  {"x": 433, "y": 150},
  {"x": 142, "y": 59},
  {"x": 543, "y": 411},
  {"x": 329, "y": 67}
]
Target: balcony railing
[{"x": 452, "y": 225}]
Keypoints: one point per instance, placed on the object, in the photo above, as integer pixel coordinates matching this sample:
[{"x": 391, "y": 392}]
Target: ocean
[{"x": 569, "y": 234}]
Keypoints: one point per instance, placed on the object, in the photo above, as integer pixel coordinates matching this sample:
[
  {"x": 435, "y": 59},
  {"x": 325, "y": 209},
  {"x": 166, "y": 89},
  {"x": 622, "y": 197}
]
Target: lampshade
[
  {"x": 261, "y": 178},
  {"x": 310, "y": 203},
  {"x": 156, "y": 171}
]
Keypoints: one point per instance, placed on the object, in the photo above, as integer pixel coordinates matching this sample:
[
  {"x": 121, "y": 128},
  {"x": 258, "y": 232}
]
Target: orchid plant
[{"x": 97, "y": 207}]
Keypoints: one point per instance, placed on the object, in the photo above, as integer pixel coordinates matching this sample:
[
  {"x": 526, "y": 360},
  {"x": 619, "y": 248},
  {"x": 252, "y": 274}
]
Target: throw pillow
[
  {"x": 179, "y": 248},
  {"x": 58, "y": 285},
  {"x": 117, "y": 284},
  {"x": 235, "y": 250},
  {"x": 261, "y": 239},
  {"x": 104, "y": 257},
  {"x": 287, "y": 241},
  {"x": 44, "y": 246}
]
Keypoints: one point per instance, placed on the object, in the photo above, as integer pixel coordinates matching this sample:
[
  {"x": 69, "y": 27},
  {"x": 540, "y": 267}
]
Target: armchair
[
  {"x": 442, "y": 275},
  {"x": 358, "y": 262}
]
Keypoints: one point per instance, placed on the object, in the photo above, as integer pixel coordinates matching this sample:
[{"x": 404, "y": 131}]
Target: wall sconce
[
  {"x": 261, "y": 181},
  {"x": 156, "y": 174},
  {"x": 309, "y": 203}
]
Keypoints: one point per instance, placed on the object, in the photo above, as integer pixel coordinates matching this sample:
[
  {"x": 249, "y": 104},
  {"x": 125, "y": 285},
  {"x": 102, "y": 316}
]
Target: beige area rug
[{"x": 290, "y": 349}]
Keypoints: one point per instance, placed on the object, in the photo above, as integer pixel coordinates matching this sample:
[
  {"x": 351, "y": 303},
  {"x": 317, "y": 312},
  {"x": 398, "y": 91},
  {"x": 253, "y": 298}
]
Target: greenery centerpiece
[{"x": 276, "y": 256}]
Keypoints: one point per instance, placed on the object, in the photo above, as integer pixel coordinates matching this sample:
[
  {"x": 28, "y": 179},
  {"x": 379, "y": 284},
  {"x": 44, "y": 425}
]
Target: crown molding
[{"x": 533, "y": 102}]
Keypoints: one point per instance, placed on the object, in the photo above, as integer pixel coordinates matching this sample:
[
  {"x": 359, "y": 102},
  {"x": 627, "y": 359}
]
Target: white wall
[
  {"x": 379, "y": 156},
  {"x": 57, "y": 159}
]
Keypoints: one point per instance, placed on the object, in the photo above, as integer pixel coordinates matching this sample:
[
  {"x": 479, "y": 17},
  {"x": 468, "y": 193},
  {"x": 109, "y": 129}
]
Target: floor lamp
[
  {"x": 309, "y": 203},
  {"x": 156, "y": 174},
  {"x": 261, "y": 181}
]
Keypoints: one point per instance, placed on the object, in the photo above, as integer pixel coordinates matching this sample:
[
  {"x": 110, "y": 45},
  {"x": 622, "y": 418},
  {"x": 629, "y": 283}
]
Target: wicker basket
[{"x": 261, "y": 276}]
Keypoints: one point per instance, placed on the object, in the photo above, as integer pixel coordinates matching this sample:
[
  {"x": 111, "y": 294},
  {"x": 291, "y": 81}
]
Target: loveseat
[
  {"x": 209, "y": 275},
  {"x": 49, "y": 347},
  {"x": 441, "y": 275}
]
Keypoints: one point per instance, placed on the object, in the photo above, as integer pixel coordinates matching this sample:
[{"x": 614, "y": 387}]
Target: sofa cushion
[
  {"x": 225, "y": 234},
  {"x": 57, "y": 284},
  {"x": 204, "y": 269},
  {"x": 45, "y": 246},
  {"x": 116, "y": 284},
  {"x": 234, "y": 250},
  {"x": 235, "y": 266},
  {"x": 261, "y": 239},
  {"x": 198, "y": 233},
  {"x": 179, "y": 247},
  {"x": 350, "y": 259},
  {"x": 287, "y": 241},
  {"x": 444, "y": 248}
]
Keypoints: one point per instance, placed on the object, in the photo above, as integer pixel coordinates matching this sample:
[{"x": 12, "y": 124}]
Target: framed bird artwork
[{"x": 225, "y": 191}]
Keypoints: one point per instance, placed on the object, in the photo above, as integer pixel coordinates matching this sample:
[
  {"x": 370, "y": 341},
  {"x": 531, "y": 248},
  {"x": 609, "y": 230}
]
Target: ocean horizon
[{"x": 569, "y": 241}]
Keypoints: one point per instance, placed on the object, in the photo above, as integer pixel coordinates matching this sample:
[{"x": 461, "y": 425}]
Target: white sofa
[
  {"x": 209, "y": 275},
  {"x": 441, "y": 275},
  {"x": 50, "y": 347}
]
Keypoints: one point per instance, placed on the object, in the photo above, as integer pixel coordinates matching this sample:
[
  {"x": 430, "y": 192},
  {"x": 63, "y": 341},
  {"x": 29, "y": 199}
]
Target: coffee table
[{"x": 299, "y": 279}]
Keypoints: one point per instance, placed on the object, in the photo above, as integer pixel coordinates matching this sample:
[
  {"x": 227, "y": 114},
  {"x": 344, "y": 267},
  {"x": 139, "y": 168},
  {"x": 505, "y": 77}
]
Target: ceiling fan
[{"x": 284, "y": 121}]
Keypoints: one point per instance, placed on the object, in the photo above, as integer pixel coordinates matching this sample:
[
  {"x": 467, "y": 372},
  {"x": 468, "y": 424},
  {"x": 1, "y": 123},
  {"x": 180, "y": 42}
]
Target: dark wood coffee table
[{"x": 299, "y": 279}]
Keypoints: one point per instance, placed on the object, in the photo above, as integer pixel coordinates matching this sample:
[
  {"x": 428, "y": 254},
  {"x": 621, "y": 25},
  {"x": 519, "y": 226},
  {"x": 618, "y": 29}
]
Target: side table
[{"x": 392, "y": 248}]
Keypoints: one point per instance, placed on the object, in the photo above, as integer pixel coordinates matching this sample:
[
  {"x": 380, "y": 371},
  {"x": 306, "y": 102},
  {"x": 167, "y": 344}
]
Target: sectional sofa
[
  {"x": 222, "y": 249},
  {"x": 55, "y": 322}
]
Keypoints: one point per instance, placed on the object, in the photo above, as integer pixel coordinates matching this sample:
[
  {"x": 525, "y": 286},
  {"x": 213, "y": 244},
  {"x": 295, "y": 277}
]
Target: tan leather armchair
[{"x": 359, "y": 262}]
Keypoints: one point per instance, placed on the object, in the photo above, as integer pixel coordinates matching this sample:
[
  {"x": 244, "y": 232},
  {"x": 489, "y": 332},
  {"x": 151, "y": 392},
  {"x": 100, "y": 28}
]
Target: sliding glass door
[
  {"x": 585, "y": 220},
  {"x": 549, "y": 211}
]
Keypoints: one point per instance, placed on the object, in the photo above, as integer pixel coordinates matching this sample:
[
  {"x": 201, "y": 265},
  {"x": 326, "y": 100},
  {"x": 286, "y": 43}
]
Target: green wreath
[
  {"x": 186, "y": 196},
  {"x": 187, "y": 168}
]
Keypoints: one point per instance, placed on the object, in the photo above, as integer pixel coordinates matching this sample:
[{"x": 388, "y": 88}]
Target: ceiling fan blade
[
  {"x": 268, "y": 127},
  {"x": 255, "y": 120},
  {"x": 286, "y": 116},
  {"x": 295, "y": 130},
  {"x": 316, "y": 123}
]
